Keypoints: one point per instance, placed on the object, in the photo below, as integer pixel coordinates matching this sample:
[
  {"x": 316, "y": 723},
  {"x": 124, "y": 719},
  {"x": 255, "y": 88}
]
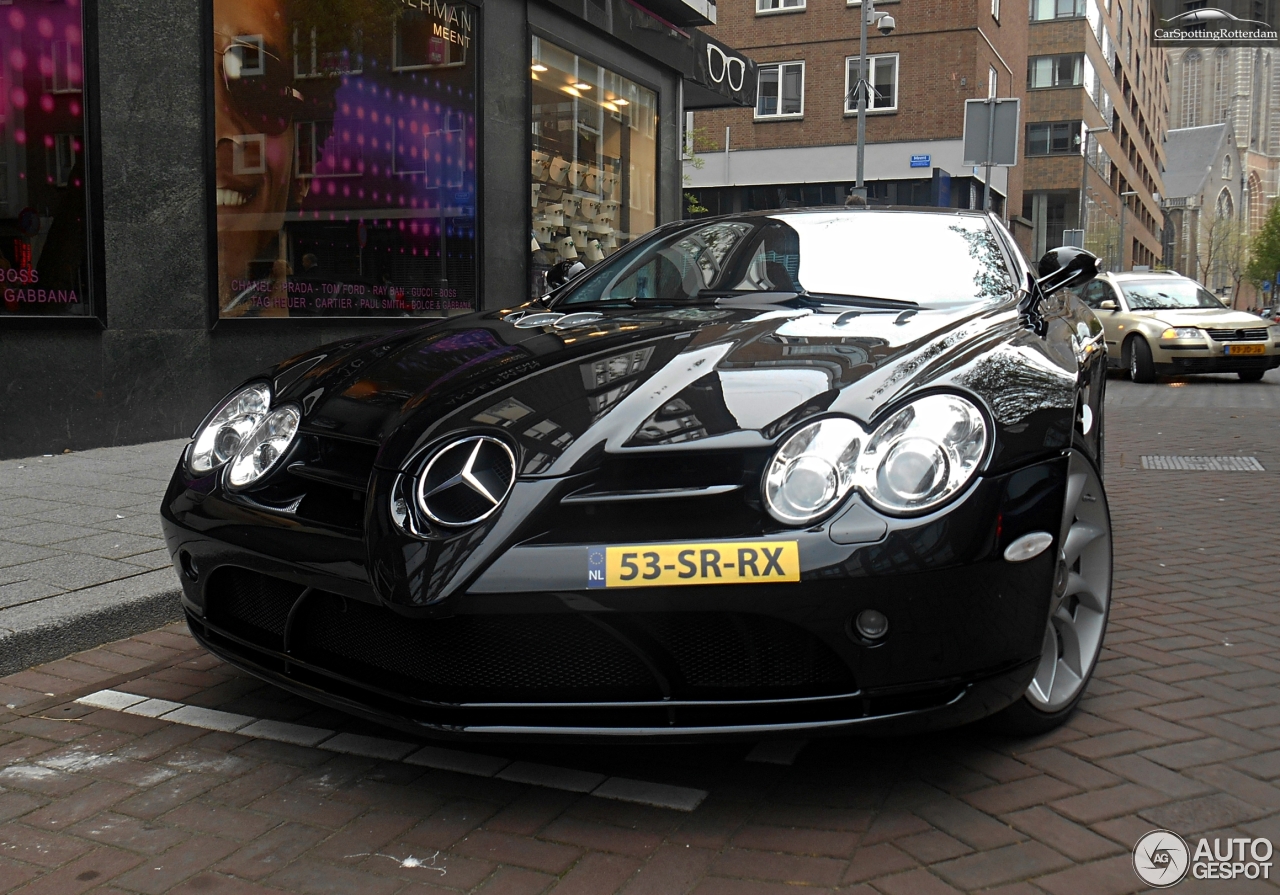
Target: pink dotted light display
[{"x": 408, "y": 151}]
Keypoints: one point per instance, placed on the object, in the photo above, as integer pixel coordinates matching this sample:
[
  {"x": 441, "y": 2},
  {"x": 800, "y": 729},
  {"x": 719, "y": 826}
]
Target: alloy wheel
[{"x": 1081, "y": 592}]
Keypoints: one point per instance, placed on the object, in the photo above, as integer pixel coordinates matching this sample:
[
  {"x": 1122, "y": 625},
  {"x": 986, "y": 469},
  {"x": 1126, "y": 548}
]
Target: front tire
[
  {"x": 1078, "y": 609},
  {"x": 1141, "y": 367},
  {"x": 1251, "y": 375}
]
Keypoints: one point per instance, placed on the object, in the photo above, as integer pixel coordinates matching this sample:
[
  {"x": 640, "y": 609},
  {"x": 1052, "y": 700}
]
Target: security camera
[{"x": 886, "y": 25}]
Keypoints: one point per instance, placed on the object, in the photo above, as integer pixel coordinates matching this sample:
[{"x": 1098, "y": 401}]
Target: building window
[
  {"x": 781, "y": 90},
  {"x": 995, "y": 9},
  {"x": 778, "y": 5},
  {"x": 1226, "y": 167},
  {"x": 317, "y": 56},
  {"x": 993, "y": 82},
  {"x": 1047, "y": 10},
  {"x": 63, "y": 73},
  {"x": 60, "y": 158},
  {"x": 882, "y": 79},
  {"x": 1226, "y": 209},
  {"x": 1191, "y": 85},
  {"x": 1055, "y": 71},
  {"x": 593, "y": 182},
  {"x": 1221, "y": 91},
  {"x": 1053, "y": 138}
]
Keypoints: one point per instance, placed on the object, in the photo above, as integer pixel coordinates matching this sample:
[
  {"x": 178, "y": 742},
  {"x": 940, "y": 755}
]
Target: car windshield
[
  {"x": 1168, "y": 295},
  {"x": 932, "y": 260}
]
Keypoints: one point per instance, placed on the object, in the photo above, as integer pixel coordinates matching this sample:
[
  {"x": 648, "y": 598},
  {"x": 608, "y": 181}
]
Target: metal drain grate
[{"x": 1204, "y": 464}]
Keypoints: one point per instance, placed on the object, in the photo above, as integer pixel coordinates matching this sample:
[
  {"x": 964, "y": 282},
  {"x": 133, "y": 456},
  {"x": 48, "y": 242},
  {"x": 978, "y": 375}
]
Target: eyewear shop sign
[
  {"x": 346, "y": 157},
  {"x": 44, "y": 260}
]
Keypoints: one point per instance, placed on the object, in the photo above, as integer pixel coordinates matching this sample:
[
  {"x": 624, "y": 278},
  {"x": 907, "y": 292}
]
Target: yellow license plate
[
  {"x": 664, "y": 565},
  {"x": 1246, "y": 349}
]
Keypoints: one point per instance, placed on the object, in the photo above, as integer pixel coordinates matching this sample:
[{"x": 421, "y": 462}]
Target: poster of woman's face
[{"x": 345, "y": 157}]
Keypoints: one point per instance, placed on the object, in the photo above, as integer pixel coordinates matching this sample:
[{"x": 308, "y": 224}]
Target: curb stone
[{"x": 55, "y": 627}]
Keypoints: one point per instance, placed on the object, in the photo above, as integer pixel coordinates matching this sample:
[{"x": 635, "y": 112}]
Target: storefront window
[
  {"x": 346, "y": 158},
  {"x": 594, "y": 164},
  {"x": 44, "y": 246}
]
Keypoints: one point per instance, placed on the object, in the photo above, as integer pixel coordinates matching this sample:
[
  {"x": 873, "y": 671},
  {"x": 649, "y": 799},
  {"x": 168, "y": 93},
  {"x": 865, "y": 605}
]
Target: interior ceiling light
[
  {"x": 582, "y": 85},
  {"x": 538, "y": 66},
  {"x": 621, "y": 102},
  {"x": 571, "y": 91}
]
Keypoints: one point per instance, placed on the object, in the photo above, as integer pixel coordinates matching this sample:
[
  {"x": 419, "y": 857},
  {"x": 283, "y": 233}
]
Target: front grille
[
  {"x": 1254, "y": 334},
  {"x": 473, "y": 657},
  {"x": 252, "y": 606},
  {"x": 1221, "y": 364},
  {"x": 726, "y": 651},
  {"x": 324, "y": 481},
  {"x": 549, "y": 657}
]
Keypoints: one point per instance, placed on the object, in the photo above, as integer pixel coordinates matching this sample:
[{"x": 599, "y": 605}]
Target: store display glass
[
  {"x": 345, "y": 142},
  {"x": 44, "y": 239},
  {"x": 594, "y": 162}
]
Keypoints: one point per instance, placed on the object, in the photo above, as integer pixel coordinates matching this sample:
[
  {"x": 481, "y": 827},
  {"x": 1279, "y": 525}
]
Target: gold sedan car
[{"x": 1165, "y": 324}]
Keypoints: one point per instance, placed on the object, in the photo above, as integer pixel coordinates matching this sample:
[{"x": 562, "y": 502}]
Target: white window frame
[
  {"x": 850, "y": 80},
  {"x": 1053, "y": 69},
  {"x": 995, "y": 9},
  {"x": 774, "y": 7},
  {"x": 779, "y": 114},
  {"x": 993, "y": 82}
]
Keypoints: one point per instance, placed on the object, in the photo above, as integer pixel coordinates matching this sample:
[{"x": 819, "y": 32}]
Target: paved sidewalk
[{"x": 82, "y": 557}]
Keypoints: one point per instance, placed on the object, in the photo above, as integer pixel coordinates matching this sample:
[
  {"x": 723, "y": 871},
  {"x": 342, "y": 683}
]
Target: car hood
[
  {"x": 639, "y": 378},
  {"x": 1205, "y": 317}
]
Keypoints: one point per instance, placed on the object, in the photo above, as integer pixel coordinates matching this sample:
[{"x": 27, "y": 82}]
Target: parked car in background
[
  {"x": 825, "y": 469},
  {"x": 1167, "y": 324}
]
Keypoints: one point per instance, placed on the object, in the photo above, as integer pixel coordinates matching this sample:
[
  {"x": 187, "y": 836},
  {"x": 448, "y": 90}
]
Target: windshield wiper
[{"x": 865, "y": 301}]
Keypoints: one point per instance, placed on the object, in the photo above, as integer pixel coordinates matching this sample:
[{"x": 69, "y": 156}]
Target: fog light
[
  {"x": 871, "y": 624},
  {"x": 188, "y": 563}
]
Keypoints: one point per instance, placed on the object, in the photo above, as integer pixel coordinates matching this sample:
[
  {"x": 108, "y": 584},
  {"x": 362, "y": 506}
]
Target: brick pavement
[{"x": 1180, "y": 729}]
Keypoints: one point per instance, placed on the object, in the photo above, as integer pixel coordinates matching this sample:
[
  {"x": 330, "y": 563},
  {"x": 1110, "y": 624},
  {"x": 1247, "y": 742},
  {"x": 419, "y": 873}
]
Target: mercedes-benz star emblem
[{"x": 466, "y": 481}]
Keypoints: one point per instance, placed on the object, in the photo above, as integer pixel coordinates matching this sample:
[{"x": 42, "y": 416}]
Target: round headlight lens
[
  {"x": 264, "y": 447},
  {"x": 923, "y": 454},
  {"x": 220, "y": 438},
  {"x": 813, "y": 470}
]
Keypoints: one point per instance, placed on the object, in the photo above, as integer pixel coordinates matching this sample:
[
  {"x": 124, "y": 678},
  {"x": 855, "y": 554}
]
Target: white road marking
[
  {"x": 622, "y": 789},
  {"x": 551, "y": 776},
  {"x": 776, "y": 751}
]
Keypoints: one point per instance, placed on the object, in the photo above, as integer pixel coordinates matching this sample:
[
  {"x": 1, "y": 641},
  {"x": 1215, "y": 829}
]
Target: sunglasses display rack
[{"x": 575, "y": 208}]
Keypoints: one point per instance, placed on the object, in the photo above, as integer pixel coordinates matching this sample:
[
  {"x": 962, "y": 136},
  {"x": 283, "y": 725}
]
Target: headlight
[
  {"x": 813, "y": 470},
  {"x": 265, "y": 445},
  {"x": 917, "y": 459},
  {"x": 218, "y": 440},
  {"x": 1182, "y": 332},
  {"x": 923, "y": 454}
]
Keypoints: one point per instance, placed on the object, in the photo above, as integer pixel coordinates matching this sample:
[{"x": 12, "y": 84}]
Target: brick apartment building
[
  {"x": 798, "y": 146},
  {"x": 1092, "y": 66}
]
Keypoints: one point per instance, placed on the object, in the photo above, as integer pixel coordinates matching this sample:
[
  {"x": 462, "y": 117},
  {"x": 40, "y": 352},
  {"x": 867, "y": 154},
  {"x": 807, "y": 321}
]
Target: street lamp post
[
  {"x": 1124, "y": 206},
  {"x": 886, "y": 24}
]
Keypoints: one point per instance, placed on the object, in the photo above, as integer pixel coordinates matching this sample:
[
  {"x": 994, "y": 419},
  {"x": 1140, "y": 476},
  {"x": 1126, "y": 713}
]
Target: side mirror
[
  {"x": 1108, "y": 305},
  {"x": 1066, "y": 266}
]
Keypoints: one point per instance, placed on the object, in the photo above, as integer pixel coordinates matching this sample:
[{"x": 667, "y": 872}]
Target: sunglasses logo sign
[{"x": 721, "y": 66}]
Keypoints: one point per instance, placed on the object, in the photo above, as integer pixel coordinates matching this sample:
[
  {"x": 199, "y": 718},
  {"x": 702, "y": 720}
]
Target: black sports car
[{"x": 803, "y": 470}]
